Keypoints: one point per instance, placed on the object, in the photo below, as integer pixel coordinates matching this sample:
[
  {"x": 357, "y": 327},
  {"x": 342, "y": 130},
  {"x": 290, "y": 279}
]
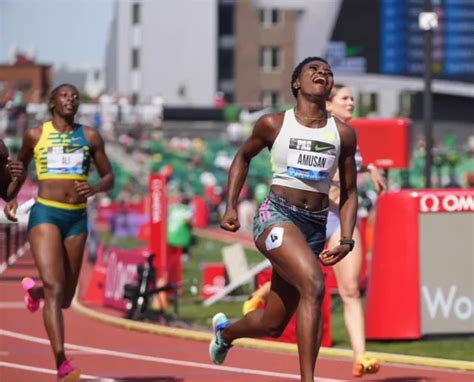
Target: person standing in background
[
  {"x": 341, "y": 104},
  {"x": 10, "y": 171}
]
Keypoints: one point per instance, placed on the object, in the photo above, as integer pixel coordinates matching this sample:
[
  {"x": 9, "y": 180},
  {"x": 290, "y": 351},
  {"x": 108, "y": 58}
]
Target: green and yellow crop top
[{"x": 62, "y": 155}]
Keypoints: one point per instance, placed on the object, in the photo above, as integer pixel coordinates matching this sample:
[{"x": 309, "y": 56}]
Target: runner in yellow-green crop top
[{"x": 57, "y": 228}]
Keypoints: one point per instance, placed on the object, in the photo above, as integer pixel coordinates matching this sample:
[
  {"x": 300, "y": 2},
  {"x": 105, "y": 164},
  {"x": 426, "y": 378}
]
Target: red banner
[
  {"x": 158, "y": 211},
  {"x": 383, "y": 142},
  {"x": 121, "y": 270}
]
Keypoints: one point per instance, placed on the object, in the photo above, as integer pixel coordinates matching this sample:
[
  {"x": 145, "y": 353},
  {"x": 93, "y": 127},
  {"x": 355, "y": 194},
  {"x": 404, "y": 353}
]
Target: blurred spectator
[
  {"x": 219, "y": 100},
  {"x": 470, "y": 180},
  {"x": 235, "y": 133},
  {"x": 97, "y": 120},
  {"x": 246, "y": 211},
  {"x": 179, "y": 228}
]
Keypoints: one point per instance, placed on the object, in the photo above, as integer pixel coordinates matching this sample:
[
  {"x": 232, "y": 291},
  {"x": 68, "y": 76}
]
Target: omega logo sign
[
  {"x": 447, "y": 203},
  {"x": 444, "y": 303}
]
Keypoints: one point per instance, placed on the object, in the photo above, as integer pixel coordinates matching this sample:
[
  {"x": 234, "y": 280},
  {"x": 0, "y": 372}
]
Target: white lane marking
[
  {"x": 16, "y": 305},
  {"x": 14, "y": 257},
  {"x": 38, "y": 369},
  {"x": 113, "y": 353},
  {"x": 12, "y": 305}
]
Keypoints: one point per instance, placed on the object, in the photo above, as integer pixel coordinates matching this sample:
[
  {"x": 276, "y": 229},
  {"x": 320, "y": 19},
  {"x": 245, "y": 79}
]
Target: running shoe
[
  {"x": 31, "y": 304},
  {"x": 68, "y": 373},
  {"x": 365, "y": 365},
  {"x": 218, "y": 348}
]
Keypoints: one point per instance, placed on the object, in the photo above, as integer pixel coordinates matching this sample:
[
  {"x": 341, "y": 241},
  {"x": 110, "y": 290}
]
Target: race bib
[
  {"x": 65, "y": 160},
  {"x": 310, "y": 160}
]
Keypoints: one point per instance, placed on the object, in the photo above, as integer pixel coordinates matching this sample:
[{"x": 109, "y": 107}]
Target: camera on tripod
[{"x": 141, "y": 294}]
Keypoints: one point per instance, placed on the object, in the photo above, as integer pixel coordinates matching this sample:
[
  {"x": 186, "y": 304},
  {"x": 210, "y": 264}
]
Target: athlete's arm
[
  {"x": 348, "y": 194},
  {"x": 30, "y": 138},
  {"x": 348, "y": 181},
  {"x": 102, "y": 164},
  {"x": 5, "y": 177},
  {"x": 262, "y": 136}
]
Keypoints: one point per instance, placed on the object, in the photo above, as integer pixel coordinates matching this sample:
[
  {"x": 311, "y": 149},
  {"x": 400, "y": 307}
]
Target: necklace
[{"x": 309, "y": 119}]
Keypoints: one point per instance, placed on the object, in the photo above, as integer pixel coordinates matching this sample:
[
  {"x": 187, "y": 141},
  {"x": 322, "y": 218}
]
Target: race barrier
[
  {"x": 12, "y": 239},
  {"x": 422, "y": 266},
  {"x": 121, "y": 270}
]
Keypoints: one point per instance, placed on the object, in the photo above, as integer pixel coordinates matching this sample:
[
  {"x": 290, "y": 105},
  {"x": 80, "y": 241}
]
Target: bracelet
[{"x": 348, "y": 242}]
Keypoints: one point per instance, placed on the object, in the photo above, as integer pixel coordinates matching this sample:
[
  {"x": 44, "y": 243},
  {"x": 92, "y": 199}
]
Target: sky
[{"x": 62, "y": 32}]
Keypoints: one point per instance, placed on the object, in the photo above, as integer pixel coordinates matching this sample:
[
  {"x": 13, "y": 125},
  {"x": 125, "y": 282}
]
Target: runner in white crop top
[
  {"x": 305, "y": 158},
  {"x": 307, "y": 146}
]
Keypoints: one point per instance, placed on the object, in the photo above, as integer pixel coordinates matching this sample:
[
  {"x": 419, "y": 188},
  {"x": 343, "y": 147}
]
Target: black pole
[{"x": 428, "y": 97}]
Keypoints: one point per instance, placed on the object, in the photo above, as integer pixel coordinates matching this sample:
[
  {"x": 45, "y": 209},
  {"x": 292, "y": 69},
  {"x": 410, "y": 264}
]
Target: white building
[
  {"x": 88, "y": 80},
  {"x": 164, "y": 48}
]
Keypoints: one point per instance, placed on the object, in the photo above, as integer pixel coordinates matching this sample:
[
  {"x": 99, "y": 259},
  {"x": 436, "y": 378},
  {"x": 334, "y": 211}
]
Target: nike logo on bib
[{"x": 321, "y": 148}]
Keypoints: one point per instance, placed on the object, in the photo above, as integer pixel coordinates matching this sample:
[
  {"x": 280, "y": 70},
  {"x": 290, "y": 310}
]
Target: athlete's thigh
[
  {"x": 347, "y": 271},
  {"x": 74, "y": 251},
  {"x": 286, "y": 248},
  {"x": 47, "y": 249}
]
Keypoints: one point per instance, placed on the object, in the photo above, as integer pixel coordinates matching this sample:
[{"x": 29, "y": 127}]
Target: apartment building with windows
[
  {"x": 26, "y": 79},
  {"x": 264, "y": 54},
  {"x": 187, "y": 51}
]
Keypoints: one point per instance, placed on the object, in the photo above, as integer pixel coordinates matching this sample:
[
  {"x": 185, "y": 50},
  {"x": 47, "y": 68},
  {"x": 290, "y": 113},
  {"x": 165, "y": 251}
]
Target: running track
[{"x": 110, "y": 353}]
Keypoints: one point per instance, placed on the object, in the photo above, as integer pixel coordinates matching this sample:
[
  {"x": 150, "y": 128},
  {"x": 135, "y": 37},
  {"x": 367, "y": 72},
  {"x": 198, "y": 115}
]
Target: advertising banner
[
  {"x": 158, "y": 217},
  {"x": 121, "y": 270},
  {"x": 421, "y": 277}
]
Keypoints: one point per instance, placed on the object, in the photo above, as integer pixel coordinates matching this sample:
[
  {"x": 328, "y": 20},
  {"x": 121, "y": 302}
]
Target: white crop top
[{"x": 305, "y": 158}]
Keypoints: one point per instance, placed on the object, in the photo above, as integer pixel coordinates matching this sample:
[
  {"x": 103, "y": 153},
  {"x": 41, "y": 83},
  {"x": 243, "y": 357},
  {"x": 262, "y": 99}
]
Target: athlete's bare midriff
[
  {"x": 310, "y": 200},
  {"x": 60, "y": 190}
]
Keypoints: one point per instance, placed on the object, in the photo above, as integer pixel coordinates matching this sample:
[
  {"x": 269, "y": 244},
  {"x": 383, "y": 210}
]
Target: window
[
  {"x": 270, "y": 58},
  {"x": 23, "y": 86},
  {"x": 269, "y": 17},
  {"x": 134, "y": 99},
  {"x": 226, "y": 19},
  {"x": 226, "y": 64},
  {"x": 135, "y": 58},
  {"x": 136, "y": 13},
  {"x": 3, "y": 86},
  {"x": 270, "y": 98}
]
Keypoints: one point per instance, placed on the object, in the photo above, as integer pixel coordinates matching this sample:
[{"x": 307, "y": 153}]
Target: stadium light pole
[{"x": 428, "y": 20}]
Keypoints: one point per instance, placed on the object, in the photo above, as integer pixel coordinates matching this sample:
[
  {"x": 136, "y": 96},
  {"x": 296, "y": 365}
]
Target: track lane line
[
  {"x": 42, "y": 370},
  {"x": 154, "y": 359}
]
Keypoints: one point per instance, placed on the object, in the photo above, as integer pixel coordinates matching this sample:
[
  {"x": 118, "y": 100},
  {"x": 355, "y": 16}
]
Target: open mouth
[{"x": 319, "y": 80}]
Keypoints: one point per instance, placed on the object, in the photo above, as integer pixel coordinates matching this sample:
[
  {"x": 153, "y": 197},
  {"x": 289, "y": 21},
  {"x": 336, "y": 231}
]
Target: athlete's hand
[
  {"x": 15, "y": 168},
  {"x": 10, "y": 210},
  {"x": 230, "y": 221},
  {"x": 84, "y": 189},
  {"x": 334, "y": 255},
  {"x": 378, "y": 180}
]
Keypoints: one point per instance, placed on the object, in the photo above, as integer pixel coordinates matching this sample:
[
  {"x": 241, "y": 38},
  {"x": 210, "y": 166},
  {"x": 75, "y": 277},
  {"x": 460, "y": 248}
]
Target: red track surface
[{"x": 108, "y": 353}]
